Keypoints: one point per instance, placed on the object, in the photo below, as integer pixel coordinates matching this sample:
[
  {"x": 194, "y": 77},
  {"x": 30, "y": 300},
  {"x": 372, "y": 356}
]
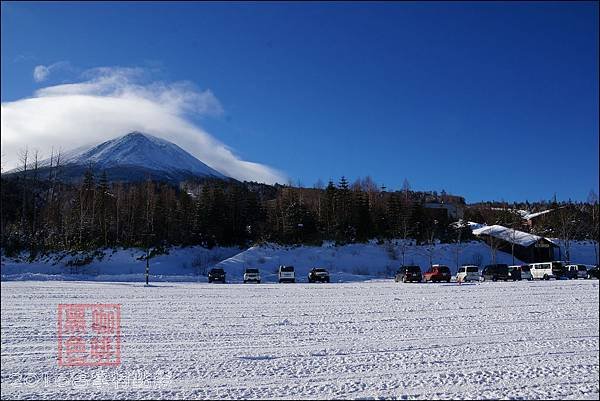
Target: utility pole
[
  {"x": 147, "y": 263},
  {"x": 147, "y": 273}
]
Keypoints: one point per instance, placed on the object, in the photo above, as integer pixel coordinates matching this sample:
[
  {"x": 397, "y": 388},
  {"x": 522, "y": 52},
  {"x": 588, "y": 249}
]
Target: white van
[
  {"x": 525, "y": 271},
  {"x": 546, "y": 270},
  {"x": 468, "y": 273},
  {"x": 286, "y": 274}
]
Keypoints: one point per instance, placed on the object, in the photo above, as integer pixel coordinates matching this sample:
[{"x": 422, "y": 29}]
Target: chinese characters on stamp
[{"x": 89, "y": 334}]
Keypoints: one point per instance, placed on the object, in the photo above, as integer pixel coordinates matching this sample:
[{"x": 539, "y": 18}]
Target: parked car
[
  {"x": 286, "y": 274},
  {"x": 525, "y": 272},
  {"x": 576, "y": 271},
  {"x": 496, "y": 272},
  {"x": 409, "y": 273},
  {"x": 251, "y": 275},
  {"x": 547, "y": 270},
  {"x": 593, "y": 272},
  {"x": 216, "y": 275},
  {"x": 468, "y": 273},
  {"x": 437, "y": 273},
  {"x": 318, "y": 275}
]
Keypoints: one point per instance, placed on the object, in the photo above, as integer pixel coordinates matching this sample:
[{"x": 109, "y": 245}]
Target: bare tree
[
  {"x": 593, "y": 223},
  {"x": 23, "y": 159},
  {"x": 461, "y": 226},
  {"x": 405, "y": 228},
  {"x": 494, "y": 244},
  {"x": 430, "y": 249},
  {"x": 569, "y": 227}
]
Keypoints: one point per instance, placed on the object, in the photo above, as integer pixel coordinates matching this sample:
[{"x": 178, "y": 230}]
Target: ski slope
[{"x": 373, "y": 339}]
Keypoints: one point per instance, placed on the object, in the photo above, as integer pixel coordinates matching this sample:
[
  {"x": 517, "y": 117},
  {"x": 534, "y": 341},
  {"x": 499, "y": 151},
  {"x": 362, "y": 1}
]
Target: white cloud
[
  {"x": 42, "y": 72},
  {"x": 112, "y": 102}
]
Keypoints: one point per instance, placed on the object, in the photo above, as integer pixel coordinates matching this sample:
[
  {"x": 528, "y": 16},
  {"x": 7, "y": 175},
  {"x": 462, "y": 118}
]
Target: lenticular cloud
[{"x": 111, "y": 102}]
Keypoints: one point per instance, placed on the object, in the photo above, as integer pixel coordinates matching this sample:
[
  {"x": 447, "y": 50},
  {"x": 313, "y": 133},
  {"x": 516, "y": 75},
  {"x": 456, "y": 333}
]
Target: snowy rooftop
[
  {"x": 508, "y": 234},
  {"x": 530, "y": 216}
]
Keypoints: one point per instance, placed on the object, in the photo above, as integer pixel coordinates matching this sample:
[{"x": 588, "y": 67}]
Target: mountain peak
[
  {"x": 136, "y": 156},
  {"x": 144, "y": 151}
]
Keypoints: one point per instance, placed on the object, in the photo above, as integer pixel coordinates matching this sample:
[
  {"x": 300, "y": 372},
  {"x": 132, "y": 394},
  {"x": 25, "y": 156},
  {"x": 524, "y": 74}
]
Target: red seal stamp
[{"x": 89, "y": 334}]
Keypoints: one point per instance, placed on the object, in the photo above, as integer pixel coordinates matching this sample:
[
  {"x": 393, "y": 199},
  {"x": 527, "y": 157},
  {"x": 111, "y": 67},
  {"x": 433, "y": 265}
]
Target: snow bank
[
  {"x": 180, "y": 264},
  {"x": 357, "y": 261},
  {"x": 348, "y": 263}
]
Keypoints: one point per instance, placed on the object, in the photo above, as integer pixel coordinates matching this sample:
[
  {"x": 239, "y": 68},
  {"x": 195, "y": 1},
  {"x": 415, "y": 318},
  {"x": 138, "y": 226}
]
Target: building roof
[
  {"x": 508, "y": 235},
  {"x": 530, "y": 216}
]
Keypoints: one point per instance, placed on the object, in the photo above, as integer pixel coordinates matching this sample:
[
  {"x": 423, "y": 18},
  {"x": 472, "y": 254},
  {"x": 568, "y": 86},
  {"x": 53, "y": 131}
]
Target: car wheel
[{"x": 546, "y": 277}]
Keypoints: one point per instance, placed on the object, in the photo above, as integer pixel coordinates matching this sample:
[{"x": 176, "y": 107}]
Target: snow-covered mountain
[{"x": 133, "y": 157}]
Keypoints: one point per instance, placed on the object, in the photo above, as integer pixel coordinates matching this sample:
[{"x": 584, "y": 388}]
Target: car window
[
  {"x": 472, "y": 269},
  {"x": 287, "y": 268},
  {"x": 413, "y": 269},
  {"x": 251, "y": 270}
]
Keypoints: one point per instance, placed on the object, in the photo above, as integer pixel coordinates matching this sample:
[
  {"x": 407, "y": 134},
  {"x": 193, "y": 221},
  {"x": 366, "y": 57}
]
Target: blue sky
[{"x": 489, "y": 100}]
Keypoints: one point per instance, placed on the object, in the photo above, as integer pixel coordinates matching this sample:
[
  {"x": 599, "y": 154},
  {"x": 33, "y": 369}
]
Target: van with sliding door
[
  {"x": 525, "y": 271},
  {"x": 547, "y": 270},
  {"x": 468, "y": 273}
]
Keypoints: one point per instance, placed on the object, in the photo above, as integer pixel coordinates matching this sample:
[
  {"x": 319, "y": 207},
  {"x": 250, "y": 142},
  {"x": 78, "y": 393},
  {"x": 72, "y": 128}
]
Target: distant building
[
  {"x": 454, "y": 211},
  {"x": 527, "y": 247},
  {"x": 535, "y": 219}
]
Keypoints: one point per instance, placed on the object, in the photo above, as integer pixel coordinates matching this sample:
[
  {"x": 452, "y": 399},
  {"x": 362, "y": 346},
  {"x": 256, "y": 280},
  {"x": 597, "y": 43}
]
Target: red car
[{"x": 437, "y": 273}]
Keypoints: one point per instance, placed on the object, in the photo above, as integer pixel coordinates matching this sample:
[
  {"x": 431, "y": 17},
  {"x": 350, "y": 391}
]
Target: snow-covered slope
[
  {"x": 133, "y": 157},
  {"x": 178, "y": 264},
  {"x": 348, "y": 263},
  {"x": 141, "y": 150},
  {"x": 357, "y": 262}
]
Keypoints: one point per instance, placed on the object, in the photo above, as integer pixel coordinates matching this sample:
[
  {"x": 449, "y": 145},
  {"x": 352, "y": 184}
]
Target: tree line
[{"x": 42, "y": 214}]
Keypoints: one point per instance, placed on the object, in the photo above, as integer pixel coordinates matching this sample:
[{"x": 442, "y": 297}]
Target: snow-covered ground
[
  {"x": 180, "y": 264},
  {"x": 375, "y": 339}
]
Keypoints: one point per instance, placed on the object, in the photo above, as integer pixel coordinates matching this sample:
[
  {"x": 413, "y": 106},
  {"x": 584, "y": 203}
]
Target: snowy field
[{"x": 367, "y": 340}]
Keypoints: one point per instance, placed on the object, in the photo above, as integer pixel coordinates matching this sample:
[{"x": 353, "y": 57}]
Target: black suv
[
  {"x": 593, "y": 272},
  {"x": 409, "y": 273},
  {"x": 318, "y": 274},
  {"x": 500, "y": 272},
  {"x": 216, "y": 275}
]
